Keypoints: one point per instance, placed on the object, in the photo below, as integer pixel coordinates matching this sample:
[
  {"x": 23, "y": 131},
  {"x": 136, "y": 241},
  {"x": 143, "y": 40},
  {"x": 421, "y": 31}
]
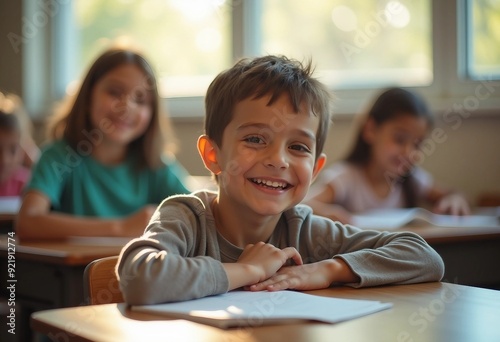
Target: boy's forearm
[
  {"x": 339, "y": 271},
  {"x": 240, "y": 275}
]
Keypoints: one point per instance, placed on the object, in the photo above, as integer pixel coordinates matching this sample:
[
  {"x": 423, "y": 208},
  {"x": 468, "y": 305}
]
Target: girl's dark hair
[
  {"x": 71, "y": 123},
  {"x": 390, "y": 104}
]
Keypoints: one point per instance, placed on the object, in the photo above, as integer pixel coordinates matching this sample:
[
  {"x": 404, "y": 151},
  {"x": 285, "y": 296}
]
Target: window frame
[{"x": 451, "y": 90}]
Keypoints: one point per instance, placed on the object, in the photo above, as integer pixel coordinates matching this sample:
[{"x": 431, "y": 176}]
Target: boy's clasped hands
[{"x": 269, "y": 264}]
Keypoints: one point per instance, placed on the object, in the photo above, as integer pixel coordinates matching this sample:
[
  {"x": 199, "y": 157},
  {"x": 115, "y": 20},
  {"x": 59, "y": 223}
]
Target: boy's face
[
  {"x": 11, "y": 153},
  {"x": 267, "y": 158}
]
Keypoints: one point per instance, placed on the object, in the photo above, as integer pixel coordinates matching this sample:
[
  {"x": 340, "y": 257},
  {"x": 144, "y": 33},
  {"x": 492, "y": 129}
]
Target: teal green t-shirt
[{"x": 80, "y": 185}]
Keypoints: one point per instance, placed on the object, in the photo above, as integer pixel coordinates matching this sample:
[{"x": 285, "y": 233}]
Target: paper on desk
[
  {"x": 245, "y": 308},
  {"x": 395, "y": 218},
  {"x": 10, "y": 204}
]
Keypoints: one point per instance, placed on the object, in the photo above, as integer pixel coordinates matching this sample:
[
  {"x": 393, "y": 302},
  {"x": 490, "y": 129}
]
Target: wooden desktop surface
[
  {"x": 420, "y": 312},
  {"x": 71, "y": 252}
]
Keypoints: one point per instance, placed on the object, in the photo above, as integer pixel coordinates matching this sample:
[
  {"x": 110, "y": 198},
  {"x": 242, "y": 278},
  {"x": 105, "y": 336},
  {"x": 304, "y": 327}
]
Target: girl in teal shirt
[{"x": 110, "y": 162}]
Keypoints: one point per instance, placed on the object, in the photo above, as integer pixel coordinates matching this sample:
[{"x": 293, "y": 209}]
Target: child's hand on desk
[
  {"x": 314, "y": 276},
  {"x": 453, "y": 204},
  {"x": 267, "y": 259},
  {"x": 134, "y": 224}
]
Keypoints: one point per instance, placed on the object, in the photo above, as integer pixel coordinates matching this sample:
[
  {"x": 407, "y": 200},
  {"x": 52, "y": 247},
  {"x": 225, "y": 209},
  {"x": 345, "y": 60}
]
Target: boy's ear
[
  {"x": 320, "y": 163},
  {"x": 208, "y": 153}
]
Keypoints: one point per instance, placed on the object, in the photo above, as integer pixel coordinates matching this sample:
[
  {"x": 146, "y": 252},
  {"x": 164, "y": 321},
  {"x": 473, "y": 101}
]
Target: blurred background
[{"x": 447, "y": 50}]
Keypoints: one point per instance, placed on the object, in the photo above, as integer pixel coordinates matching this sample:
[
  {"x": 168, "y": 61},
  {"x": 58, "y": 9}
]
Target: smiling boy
[{"x": 266, "y": 123}]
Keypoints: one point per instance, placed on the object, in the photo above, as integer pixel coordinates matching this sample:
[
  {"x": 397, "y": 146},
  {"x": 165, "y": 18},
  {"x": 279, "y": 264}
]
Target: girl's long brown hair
[{"x": 73, "y": 123}]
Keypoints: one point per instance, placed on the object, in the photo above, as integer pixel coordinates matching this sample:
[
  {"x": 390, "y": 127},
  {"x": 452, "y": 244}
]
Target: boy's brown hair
[
  {"x": 261, "y": 76},
  {"x": 72, "y": 122}
]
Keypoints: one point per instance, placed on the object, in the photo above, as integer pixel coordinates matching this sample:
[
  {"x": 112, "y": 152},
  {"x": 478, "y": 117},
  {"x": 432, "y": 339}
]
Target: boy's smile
[{"x": 271, "y": 184}]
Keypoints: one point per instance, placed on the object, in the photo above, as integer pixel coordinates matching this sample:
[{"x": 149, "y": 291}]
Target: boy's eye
[
  {"x": 300, "y": 148},
  {"x": 254, "y": 140}
]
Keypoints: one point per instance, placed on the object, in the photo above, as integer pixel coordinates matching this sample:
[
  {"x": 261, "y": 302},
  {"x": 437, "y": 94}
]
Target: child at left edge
[
  {"x": 17, "y": 149},
  {"x": 266, "y": 123}
]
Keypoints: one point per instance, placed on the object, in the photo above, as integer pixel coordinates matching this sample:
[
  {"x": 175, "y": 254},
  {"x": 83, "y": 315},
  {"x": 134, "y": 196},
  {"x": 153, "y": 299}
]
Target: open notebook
[
  {"x": 245, "y": 308},
  {"x": 396, "y": 218}
]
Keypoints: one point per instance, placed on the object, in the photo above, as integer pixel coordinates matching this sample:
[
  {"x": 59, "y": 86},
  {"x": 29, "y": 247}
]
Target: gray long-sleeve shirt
[{"x": 180, "y": 255}]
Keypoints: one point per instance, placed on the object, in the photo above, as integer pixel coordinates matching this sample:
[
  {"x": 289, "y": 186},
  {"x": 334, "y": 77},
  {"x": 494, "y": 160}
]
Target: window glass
[
  {"x": 484, "y": 38},
  {"x": 354, "y": 43},
  {"x": 187, "y": 41}
]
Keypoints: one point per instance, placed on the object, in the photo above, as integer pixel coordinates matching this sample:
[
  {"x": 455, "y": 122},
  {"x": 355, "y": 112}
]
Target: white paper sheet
[
  {"x": 395, "y": 218},
  {"x": 10, "y": 205},
  {"x": 245, "y": 308}
]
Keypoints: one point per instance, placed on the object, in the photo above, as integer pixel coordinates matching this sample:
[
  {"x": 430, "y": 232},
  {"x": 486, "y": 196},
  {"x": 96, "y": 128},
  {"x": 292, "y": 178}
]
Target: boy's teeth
[{"x": 270, "y": 183}]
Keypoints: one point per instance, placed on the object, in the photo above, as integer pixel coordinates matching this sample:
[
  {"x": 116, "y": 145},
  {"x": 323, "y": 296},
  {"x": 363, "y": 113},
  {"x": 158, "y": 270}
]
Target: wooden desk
[
  {"x": 50, "y": 274},
  {"x": 471, "y": 255},
  {"x": 421, "y": 312}
]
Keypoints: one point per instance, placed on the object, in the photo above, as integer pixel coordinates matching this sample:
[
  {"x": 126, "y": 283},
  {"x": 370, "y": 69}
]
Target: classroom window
[
  {"x": 188, "y": 42},
  {"x": 483, "y": 37},
  {"x": 444, "y": 48},
  {"x": 354, "y": 43}
]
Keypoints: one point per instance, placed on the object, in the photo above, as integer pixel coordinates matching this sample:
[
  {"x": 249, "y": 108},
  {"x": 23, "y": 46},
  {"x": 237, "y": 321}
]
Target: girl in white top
[{"x": 380, "y": 170}]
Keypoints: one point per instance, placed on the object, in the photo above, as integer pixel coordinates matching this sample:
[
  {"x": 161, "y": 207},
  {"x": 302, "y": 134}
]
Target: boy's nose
[{"x": 276, "y": 157}]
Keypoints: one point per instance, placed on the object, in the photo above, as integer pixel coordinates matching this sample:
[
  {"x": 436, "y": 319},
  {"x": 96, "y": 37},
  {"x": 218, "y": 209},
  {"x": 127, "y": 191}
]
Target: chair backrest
[{"x": 100, "y": 284}]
